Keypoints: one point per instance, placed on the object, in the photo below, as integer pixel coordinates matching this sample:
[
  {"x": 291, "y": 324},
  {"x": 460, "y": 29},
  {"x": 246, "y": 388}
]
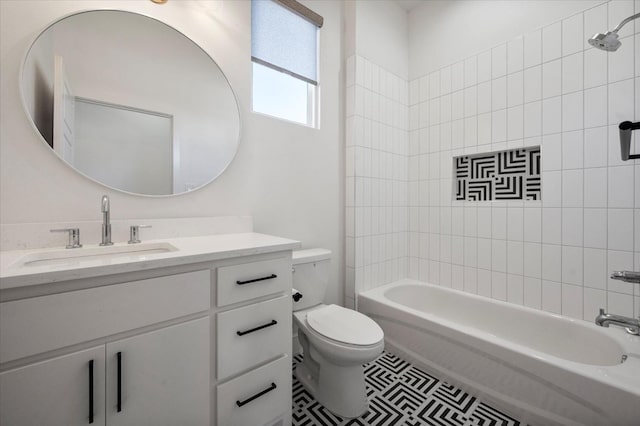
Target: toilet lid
[{"x": 345, "y": 325}]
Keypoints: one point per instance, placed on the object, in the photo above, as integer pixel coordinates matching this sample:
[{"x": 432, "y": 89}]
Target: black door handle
[
  {"x": 242, "y": 333},
  {"x": 119, "y": 382},
  {"x": 255, "y": 280},
  {"x": 256, "y": 396},
  {"x": 91, "y": 391}
]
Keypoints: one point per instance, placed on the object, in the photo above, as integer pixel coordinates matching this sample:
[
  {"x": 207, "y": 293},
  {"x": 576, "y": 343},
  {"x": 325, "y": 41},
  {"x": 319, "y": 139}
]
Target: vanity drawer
[
  {"x": 253, "y": 334},
  {"x": 40, "y": 324},
  {"x": 257, "y": 397},
  {"x": 237, "y": 283}
]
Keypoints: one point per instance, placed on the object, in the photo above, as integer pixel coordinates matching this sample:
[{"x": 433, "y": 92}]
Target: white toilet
[{"x": 336, "y": 341}]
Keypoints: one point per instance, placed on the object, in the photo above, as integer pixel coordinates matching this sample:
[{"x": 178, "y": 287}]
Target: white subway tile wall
[
  {"x": 378, "y": 216},
  {"x": 551, "y": 88},
  {"x": 547, "y": 88}
]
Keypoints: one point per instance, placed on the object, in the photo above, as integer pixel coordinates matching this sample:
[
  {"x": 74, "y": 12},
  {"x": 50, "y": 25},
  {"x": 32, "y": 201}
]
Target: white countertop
[{"x": 189, "y": 250}]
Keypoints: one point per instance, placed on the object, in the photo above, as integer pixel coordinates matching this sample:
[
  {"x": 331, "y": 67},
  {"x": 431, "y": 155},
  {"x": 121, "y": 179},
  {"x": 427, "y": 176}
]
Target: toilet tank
[{"x": 310, "y": 276}]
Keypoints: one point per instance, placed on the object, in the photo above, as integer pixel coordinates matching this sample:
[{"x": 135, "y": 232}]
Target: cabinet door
[
  {"x": 164, "y": 377},
  {"x": 55, "y": 392}
]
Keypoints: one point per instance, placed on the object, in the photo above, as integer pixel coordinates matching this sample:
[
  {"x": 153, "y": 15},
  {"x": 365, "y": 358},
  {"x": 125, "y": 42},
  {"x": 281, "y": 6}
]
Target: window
[{"x": 284, "y": 51}]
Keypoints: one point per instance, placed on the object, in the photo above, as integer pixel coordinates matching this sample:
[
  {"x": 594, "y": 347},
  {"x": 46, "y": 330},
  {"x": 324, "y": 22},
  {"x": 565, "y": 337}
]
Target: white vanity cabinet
[
  {"x": 254, "y": 342},
  {"x": 163, "y": 380},
  {"x": 200, "y": 341},
  {"x": 133, "y": 377}
]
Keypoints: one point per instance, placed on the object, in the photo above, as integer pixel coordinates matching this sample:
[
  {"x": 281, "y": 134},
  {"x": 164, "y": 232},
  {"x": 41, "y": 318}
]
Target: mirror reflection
[{"x": 130, "y": 102}]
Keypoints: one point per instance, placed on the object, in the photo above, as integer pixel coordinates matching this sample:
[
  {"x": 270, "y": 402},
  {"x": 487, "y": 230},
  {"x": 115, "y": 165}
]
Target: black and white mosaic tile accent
[
  {"x": 401, "y": 394},
  {"x": 506, "y": 175}
]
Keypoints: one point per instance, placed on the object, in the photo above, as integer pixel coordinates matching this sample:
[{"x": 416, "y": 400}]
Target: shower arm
[{"x": 624, "y": 22}]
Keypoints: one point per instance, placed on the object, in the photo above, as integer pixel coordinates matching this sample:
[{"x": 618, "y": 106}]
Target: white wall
[
  {"x": 444, "y": 31},
  {"x": 381, "y": 35},
  {"x": 549, "y": 88},
  {"x": 377, "y": 140},
  {"x": 288, "y": 177}
]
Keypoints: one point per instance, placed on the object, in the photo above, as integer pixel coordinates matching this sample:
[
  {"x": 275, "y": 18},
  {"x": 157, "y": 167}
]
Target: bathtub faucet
[
  {"x": 631, "y": 324},
  {"x": 626, "y": 276}
]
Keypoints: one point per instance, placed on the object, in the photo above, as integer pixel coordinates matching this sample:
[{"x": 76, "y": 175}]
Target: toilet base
[
  {"x": 306, "y": 379},
  {"x": 340, "y": 389}
]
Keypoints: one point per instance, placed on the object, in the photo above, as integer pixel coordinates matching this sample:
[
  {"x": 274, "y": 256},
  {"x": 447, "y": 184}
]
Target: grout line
[
  {"x": 583, "y": 168},
  {"x": 607, "y": 175},
  {"x": 562, "y": 192}
]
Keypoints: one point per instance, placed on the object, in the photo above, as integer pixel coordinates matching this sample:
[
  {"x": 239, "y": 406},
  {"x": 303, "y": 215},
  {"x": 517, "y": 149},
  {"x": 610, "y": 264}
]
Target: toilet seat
[{"x": 345, "y": 325}]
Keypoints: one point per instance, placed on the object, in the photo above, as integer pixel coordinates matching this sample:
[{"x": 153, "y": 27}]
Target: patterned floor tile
[{"x": 401, "y": 394}]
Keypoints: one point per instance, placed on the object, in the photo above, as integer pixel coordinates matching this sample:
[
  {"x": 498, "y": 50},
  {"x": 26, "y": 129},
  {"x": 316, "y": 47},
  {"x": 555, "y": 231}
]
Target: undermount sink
[{"x": 71, "y": 257}]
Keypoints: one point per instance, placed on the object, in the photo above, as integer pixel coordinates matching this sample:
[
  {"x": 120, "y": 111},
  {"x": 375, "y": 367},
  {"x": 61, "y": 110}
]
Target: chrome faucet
[
  {"x": 74, "y": 237},
  {"x": 626, "y": 276},
  {"x": 106, "y": 222},
  {"x": 631, "y": 324}
]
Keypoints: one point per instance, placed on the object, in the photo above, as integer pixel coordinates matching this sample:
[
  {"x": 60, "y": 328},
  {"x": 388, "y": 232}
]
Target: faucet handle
[
  {"x": 134, "y": 233},
  {"x": 74, "y": 237},
  {"x": 626, "y": 276}
]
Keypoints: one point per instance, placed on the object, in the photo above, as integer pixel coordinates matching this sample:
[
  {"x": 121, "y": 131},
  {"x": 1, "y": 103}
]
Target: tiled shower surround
[
  {"x": 376, "y": 177},
  {"x": 546, "y": 88}
]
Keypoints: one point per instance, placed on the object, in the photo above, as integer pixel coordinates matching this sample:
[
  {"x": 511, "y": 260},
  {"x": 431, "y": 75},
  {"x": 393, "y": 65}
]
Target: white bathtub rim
[
  {"x": 629, "y": 344},
  {"x": 611, "y": 375}
]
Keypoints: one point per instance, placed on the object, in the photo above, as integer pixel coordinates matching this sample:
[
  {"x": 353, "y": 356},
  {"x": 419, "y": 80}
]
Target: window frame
[{"x": 313, "y": 90}]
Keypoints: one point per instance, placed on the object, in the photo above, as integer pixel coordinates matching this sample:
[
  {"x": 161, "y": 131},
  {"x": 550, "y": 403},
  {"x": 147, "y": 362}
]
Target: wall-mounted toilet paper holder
[{"x": 626, "y": 127}]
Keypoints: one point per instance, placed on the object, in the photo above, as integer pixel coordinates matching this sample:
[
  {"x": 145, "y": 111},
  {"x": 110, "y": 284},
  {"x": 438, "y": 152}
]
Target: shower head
[{"x": 609, "y": 40}]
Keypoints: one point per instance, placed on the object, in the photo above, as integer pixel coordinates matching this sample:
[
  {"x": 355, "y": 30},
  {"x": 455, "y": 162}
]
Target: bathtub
[{"x": 543, "y": 369}]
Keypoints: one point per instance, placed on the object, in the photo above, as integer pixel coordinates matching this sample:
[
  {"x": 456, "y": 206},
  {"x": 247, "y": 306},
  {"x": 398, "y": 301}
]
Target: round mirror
[{"x": 130, "y": 102}]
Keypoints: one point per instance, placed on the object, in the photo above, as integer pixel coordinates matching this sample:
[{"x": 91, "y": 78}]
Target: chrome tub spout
[{"x": 632, "y": 325}]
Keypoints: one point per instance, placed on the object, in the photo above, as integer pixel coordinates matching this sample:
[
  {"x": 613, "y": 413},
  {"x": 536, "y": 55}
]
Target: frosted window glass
[
  {"x": 280, "y": 95},
  {"x": 283, "y": 40}
]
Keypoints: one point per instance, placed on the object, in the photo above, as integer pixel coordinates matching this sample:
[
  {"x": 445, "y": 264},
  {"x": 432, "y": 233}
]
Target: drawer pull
[
  {"x": 258, "y": 395},
  {"x": 119, "y": 382},
  {"x": 270, "y": 277},
  {"x": 91, "y": 391},
  {"x": 242, "y": 333}
]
